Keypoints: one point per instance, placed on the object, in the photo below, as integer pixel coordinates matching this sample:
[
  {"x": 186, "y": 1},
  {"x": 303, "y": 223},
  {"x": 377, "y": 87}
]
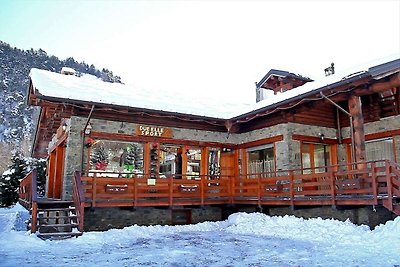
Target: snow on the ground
[{"x": 243, "y": 240}]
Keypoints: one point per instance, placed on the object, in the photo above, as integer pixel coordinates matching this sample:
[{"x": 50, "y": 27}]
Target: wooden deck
[
  {"x": 373, "y": 183},
  {"x": 377, "y": 183}
]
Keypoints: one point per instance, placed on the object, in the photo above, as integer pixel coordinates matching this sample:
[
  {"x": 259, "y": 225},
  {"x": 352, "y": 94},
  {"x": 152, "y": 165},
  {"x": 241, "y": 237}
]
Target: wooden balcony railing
[
  {"x": 78, "y": 197},
  {"x": 393, "y": 187},
  {"x": 367, "y": 183},
  {"x": 28, "y": 197},
  {"x": 101, "y": 190}
]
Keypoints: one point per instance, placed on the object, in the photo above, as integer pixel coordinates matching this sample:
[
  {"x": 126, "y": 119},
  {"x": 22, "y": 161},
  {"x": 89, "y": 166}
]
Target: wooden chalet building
[{"x": 119, "y": 156}]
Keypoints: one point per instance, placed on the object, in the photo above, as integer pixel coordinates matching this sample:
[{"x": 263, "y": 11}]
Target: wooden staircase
[
  {"x": 52, "y": 218},
  {"x": 55, "y": 219}
]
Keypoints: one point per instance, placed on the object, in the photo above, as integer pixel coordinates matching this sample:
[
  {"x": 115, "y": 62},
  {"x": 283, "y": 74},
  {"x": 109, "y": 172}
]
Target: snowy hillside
[
  {"x": 242, "y": 240},
  {"x": 15, "y": 64}
]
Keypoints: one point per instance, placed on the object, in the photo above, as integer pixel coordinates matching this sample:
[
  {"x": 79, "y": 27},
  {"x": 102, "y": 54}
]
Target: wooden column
[{"x": 358, "y": 125}]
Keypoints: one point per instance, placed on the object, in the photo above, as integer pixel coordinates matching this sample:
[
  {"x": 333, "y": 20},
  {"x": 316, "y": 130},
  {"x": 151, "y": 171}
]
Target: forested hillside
[{"x": 16, "y": 128}]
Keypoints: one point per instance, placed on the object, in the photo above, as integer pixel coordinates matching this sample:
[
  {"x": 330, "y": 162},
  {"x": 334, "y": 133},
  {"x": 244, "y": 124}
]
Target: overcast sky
[{"x": 206, "y": 47}]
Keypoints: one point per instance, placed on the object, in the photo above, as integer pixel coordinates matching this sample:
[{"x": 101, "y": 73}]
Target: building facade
[{"x": 294, "y": 148}]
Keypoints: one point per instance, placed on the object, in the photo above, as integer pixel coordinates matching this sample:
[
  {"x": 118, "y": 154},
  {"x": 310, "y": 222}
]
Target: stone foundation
[
  {"x": 102, "y": 219},
  {"x": 357, "y": 215}
]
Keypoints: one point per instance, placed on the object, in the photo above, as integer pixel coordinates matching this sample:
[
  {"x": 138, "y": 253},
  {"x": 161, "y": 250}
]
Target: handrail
[
  {"x": 79, "y": 199},
  {"x": 34, "y": 185},
  {"x": 34, "y": 202},
  {"x": 28, "y": 196}
]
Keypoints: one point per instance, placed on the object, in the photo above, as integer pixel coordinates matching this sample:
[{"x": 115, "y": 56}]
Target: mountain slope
[{"x": 15, "y": 64}]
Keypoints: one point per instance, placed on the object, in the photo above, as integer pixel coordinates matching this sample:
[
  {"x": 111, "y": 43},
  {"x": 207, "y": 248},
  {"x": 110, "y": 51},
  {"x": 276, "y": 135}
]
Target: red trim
[
  {"x": 133, "y": 138},
  {"x": 268, "y": 140},
  {"x": 314, "y": 139},
  {"x": 374, "y": 136}
]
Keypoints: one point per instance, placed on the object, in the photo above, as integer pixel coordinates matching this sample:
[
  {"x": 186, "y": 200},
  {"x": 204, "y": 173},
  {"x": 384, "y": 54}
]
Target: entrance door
[
  {"x": 56, "y": 172},
  {"x": 170, "y": 160},
  {"x": 227, "y": 164},
  {"x": 314, "y": 156}
]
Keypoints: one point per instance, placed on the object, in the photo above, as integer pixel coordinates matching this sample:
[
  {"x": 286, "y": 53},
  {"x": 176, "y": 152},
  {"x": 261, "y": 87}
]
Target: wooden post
[
  {"x": 135, "y": 194},
  {"x": 259, "y": 191},
  {"x": 291, "y": 189},
  {"x": 34, "y": 217},
  {"x": 171, "y": 190},
  {"x": 333, "y": 186},
  {"x": 374, "y": 183},
  {"x": 389, "y": 185},
  {"x": 202, "y": 188},
  {"x": 94, "y": 187},
  {"x": 359, "y": 135}
]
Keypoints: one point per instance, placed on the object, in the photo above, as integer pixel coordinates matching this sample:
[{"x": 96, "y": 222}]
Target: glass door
[
  {"x": 314, "y": 156},
  {"x": 170, "y": 159}
]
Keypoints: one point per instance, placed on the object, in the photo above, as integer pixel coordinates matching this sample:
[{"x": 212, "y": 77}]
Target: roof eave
[{"x": 298, "y": 97}]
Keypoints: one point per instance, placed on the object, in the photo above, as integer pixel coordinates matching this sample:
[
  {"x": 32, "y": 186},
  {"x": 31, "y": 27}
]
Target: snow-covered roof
[
  {"x": 88, "y": 88},
  {"x": 91, "y": 89}
]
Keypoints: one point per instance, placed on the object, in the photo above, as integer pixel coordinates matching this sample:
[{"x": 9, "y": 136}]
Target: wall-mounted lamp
[
  {"x": 64, "y": 127},
  {"x": 89, "y": 142},
  {"x": 88, "y": 129},
  {"x": 321, "y": 136}
]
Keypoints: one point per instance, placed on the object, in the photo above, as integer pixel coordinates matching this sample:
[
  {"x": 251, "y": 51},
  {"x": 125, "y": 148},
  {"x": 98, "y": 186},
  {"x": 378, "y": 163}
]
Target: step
[
  {"x": 59, "y": 225},
  {"x": 59, "y": 234},
  {"x": 59, "y": 217},
  {"x": 57, "y": 209},
  {"x": 53, "y": 201}
]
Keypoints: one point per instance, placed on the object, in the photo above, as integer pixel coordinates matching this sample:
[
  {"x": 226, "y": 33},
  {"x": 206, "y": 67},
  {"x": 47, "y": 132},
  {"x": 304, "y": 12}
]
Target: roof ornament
[{"x": 330, "y": 70}]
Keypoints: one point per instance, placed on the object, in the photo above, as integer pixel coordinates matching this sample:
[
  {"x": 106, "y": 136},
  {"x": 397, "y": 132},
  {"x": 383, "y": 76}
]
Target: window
[
  {"x": 214, "y": 163},
  {"x": 116, "y": 156},
  {"x": 193, "y": 163},
  {"x": 380, "y": 149},
  {"x": 261, "y": 160}
]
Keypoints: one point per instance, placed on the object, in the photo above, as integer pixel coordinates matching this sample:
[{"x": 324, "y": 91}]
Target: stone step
[
  {"x": 59, "y": 235},
  {"x": 58, "y": 225},
  {"x": 59, "y": 217},
  {"x": 57, "y": 209}
]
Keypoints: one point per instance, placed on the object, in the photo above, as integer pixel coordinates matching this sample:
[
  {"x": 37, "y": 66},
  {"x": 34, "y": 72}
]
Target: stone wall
[
  {"x": 101, "y": 219},
  {"x": 383, "y": 125},
  {"x": 364, "y": 215}
]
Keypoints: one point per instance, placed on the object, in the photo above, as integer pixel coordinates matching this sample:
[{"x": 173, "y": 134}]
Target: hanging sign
[{"x": 153, "y": 131}]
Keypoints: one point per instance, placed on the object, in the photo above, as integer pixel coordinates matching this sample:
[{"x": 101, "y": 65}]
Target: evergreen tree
[
  {"x": 40, "y": 166},
  {"x": 99, "y": 158},
  {"x": 9, "y": 181}
]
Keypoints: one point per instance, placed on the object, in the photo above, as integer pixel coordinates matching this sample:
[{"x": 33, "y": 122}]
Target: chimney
[
  {"x": 330, "y": 70},
  {"x": 68, "y": 71}
]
